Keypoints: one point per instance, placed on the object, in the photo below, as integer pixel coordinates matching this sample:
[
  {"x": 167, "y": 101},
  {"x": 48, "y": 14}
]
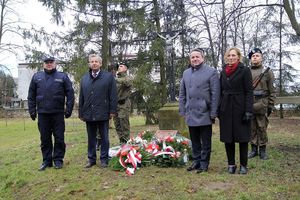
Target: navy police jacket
[
  {"x": 98, "y": 97},
  {"x": 47, "y": 92}
]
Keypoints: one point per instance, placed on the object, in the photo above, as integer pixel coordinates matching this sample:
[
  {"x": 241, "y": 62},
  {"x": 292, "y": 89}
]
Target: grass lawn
[{"x": 20, "y": 157}]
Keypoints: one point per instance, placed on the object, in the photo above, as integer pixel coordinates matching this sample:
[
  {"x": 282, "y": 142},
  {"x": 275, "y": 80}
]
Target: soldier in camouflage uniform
[
  {"x": 264, "y": 97},
  {"x": 124, "y": 84},
  {"x": 98, "y": 137}
]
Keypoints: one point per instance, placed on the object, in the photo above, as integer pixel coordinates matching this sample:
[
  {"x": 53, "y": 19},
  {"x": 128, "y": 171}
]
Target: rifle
[{"x": 258, "y": 78}]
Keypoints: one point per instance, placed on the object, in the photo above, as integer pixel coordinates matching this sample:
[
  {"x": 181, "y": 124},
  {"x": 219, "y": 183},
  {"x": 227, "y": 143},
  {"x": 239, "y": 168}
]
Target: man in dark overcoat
[{"x": 97, "y": 104}]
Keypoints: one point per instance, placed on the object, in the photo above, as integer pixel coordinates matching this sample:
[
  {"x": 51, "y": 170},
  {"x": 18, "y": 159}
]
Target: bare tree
[
  {"x": 291, "y": 11},
  {"x": 9, "y": 25}
]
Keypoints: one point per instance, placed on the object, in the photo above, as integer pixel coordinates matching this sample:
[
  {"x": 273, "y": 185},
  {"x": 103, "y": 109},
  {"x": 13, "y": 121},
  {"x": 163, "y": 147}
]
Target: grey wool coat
[
  {"x": 199, "y": 95},
  {"x": 236, "y": 100}
]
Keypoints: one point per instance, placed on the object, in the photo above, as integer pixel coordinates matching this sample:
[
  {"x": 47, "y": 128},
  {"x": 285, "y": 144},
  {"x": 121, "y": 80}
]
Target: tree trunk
[
  {"x": 291, "y": 14},
  {"x": 105, "y": 46},
  {"x": 150, "y": 118},
  {"x": 161, "y": 57},
  {"x": 3, "y": 5}
]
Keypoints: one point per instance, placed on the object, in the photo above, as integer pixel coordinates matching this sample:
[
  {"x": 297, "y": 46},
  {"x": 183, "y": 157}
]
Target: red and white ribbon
[{"x": 132, "y": 157}]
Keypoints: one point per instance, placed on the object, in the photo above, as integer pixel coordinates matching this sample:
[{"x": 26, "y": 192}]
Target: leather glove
[
  {"x": 67, "y": 114},
  {"x": 269, "y": 111},
  {"x": 112, "y": 115},
  {"x": 213, "y": 120},
  {"x": 247, "y": 117},
  {"x": 33, "y": 115}
]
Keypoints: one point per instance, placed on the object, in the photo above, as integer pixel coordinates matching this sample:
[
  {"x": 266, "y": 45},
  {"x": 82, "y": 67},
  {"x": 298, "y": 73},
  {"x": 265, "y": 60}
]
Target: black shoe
[
  {"x": 243, "y": 170},
  {"x": 194, "y": 166},
  {"x": 44, "y": 166},
  {"x": 58, "y": 165},
  {"x": 202, "y": 170},
  {"x": 231, "y": 169},
  {"x": 103, "y": 165},
  {"x": 89, "y": 165}
]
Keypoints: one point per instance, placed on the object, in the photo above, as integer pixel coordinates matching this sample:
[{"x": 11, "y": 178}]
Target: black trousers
[
  {"x": 52, "y": 124},
  {"x": 230, "y": 151},
  {"x": 92, "y": 128},
  {"x": 201, "y": 144}
]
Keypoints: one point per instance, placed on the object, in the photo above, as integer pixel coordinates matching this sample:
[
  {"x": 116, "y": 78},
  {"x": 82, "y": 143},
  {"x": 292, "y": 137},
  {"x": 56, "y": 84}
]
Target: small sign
[{"x": 162, "y": 134}]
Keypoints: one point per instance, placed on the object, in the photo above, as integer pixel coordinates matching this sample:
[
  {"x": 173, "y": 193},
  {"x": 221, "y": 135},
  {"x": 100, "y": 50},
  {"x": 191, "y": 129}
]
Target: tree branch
[{"x": 292, "y": 17}]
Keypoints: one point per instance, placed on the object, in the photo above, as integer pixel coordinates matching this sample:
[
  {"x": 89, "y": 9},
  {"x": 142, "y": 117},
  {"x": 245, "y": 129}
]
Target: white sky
[{"x": 33, "y": 12}]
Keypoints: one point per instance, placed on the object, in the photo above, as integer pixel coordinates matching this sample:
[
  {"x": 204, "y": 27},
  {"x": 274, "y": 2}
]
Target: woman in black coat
[{"x": 235, "y": 110}]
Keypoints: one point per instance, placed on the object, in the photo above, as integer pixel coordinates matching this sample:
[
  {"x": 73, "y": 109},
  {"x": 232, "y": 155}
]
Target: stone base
[{"x": 169, "y": 119}]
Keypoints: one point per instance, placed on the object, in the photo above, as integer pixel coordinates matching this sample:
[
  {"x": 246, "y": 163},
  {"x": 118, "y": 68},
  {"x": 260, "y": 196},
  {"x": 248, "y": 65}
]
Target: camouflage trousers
[
  {"x": 98, "y": 136},
  {"x": 122, "y": 126},
  {"x": 259, "y": 130}
]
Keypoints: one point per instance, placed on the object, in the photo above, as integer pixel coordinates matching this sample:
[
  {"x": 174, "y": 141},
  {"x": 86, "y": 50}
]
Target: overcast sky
[{"x": 34, "y": 13}]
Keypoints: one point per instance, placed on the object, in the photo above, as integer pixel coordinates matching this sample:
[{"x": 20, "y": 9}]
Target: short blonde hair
[
  {"x": 238, "y": 52},
  {"x": 95, "y": 56}
]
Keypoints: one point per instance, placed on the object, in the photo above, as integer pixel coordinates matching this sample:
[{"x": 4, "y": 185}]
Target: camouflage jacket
[
  {"x": 264, "y": 93},
  {"x": 124, "y": 85}
]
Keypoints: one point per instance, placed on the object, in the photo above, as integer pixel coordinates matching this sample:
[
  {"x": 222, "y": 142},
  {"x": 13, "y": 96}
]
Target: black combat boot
[
  {"x": 262, "y": 152},
  {"x": 253, "y": 152}
]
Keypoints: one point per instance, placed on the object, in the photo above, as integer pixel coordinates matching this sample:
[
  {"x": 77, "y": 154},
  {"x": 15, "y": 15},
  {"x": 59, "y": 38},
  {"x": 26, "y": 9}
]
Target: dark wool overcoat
[
  {"x": 236, "y": 99},
  {"x": 98, "y": 97}
]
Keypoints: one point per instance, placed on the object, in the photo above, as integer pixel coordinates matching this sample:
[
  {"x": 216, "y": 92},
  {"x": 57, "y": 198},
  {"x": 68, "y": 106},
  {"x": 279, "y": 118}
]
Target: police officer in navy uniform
[{"x": 51, "y": 98}]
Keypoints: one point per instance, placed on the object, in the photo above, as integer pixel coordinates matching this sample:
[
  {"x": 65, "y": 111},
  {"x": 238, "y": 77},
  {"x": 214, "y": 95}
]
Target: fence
[
  {"x": 74, "y": 124},
  {"x": 8, "y": 117}
]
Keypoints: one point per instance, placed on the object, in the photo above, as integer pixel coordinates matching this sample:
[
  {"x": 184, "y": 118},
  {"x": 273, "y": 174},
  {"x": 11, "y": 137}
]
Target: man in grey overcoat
[{"x": 198, "y": 103}]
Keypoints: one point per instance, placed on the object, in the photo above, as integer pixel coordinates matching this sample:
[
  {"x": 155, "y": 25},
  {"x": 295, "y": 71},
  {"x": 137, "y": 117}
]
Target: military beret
[
  {"x": 253, "y": 51},
  {"x": 123, "y": 63}
]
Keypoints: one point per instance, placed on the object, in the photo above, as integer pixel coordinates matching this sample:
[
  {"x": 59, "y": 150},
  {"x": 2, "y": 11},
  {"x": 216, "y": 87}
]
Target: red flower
[
  {"x": 170, "y": 139},
  {"x": 185, "y": 142}
]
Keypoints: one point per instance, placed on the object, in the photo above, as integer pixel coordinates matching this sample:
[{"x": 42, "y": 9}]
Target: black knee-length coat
[{"x": 236, "y": 99}]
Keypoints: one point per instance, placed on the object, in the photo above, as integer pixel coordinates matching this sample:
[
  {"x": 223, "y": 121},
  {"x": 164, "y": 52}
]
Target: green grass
[{"x": 20, "y": 157}]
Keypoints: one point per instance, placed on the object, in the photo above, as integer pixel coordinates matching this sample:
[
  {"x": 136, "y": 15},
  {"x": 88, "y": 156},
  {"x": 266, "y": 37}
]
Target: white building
[
  {"x": 24, "y": 77},
  {"x": 25, "y": 74}
]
